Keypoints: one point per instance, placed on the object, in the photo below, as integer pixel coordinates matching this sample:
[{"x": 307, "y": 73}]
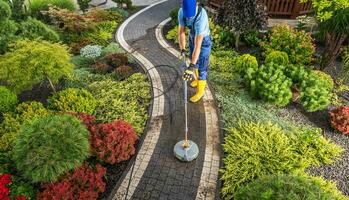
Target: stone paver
[{"x": 157, "y": 173}]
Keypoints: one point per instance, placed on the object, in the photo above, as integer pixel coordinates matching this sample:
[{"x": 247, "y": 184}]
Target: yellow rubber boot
[
  {"x": 195, "y": 82},
  {"x": 199, "y": 92}
]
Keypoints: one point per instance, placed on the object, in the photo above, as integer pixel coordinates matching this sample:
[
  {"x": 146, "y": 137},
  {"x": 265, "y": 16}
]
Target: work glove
[{"x": 189, "y": 74}]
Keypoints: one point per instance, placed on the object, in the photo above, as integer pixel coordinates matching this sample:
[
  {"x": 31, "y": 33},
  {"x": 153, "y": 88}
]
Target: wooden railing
[{"x": 277, "y": 8}]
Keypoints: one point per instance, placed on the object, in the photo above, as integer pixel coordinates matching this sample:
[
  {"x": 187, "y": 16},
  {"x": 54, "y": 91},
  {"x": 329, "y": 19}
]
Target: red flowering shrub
[
  {"x": 113, "y": 142},
  {"x": 85, "y": 183},
  {"x": 340, "y": 119},
  {"x": 5, "y": 180}
]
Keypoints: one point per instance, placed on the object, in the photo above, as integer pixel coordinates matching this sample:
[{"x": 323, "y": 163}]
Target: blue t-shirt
[{"x": 201, "y": 26}]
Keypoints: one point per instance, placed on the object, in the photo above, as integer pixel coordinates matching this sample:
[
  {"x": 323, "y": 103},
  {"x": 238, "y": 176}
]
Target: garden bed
[
  {"x": 80, "y": 94},
  {"x": 258, "y": 95}
]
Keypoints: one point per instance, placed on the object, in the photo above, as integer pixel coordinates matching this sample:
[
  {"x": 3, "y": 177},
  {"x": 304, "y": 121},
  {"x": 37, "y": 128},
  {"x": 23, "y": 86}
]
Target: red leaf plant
[
  {"x": 112, "y": 142},
  {"x": 85, "y": 183},
  {"x": 5, "y": 180},
  {"x": 340, "y": 119}
]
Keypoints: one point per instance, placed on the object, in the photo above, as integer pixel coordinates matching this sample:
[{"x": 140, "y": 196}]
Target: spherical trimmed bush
[
  {"x": 5, "y": 11},
  {"x": 8, "y": 100},
  {"x": 288, "y": 187},
  {"x": 277, "y": 57},
  {"x": 50, "y": 147},
  {"x": 326, "y": 78},
  {"x": 73, "y": 100}
]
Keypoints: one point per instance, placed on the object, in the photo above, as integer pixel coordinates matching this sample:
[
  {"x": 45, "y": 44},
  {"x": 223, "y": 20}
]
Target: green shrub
[
  {"x": 124, "y": 13},
  {"x": 100, "y": 15},
  {"x": 112, "y": 48},
  {"x": 19, "y": 11},
  {"x": 82, "y": 78},
  {"x": 5, "y": 11},
  {"x": 33, "y": 29},
  {"x": 272, "y": 85},
  {"x": 22, "y": 188},
  {"x": 50, "y": 147},
  {"x": 241, "y": 106},
  {"x": 247, "y": 66},
  {"x": 326, "y": 78},
  {"x": 103, "y": 33},
  {"x": 5, "y": 163},
  {"x": 83, "y": 4},
  {"x": 73, "y": 100},
  {"x": 10, "y": 126},
  {"x": 251, "y": 38},
  {"x": 9, "y": 129},
  {"x": 277, "y": 57},
  {"x": 297, "y": 73},
  {"x": 126, "y": 100},
  {"x": 8, "y": 29},
  {"x": 174, "y": 16},
  {"x": 222, "y": 37},
  {"x": 254, "y": 150},
  {"x": 315, "y": 94},
  {"x": 297, "y": 44},
  {"x": 224, "y": 62},
  {"x": 37, "y": 6},
  {"x": 172, "y": 35},
  {"x": 313, "y": 148},
  {"x": 288, "y": 187},
  {"x": 43, "y": 60},
  {"x": 8, "y": 100}
]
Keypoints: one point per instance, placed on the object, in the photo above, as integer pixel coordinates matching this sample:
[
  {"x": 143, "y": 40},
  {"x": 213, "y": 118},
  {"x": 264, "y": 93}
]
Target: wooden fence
[{"x": 277, "y": 8}]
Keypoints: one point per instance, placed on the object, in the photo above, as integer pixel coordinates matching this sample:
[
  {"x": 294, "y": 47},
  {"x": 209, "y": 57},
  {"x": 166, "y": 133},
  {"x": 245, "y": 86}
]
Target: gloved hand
[{"x": 189, "y": 74}]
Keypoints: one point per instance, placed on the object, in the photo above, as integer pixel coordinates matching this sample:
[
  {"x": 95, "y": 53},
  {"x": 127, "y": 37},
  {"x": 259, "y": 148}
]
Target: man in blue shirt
[{"x": 195, "y": 18}]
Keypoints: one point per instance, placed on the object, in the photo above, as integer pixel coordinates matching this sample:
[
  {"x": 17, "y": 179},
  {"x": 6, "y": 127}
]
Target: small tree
[
  {"x": 242, "y": 15},
  {"x": 333, "y": 20},
  {"x": 30, "y": 62}
]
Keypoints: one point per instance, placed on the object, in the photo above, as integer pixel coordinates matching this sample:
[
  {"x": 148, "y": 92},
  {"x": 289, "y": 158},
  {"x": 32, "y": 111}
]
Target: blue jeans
[{"x": 204, "y": 58}]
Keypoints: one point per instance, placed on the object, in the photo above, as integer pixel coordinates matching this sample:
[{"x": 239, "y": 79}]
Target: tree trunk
[
  {"x": 51, "y": 84},
  {"x": 237, "y": 40},
  {"x": 333, "y": 44}
]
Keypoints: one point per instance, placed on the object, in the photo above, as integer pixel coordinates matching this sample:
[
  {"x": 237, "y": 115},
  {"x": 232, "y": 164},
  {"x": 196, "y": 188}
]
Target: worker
[{"x": 195, "y": 17}]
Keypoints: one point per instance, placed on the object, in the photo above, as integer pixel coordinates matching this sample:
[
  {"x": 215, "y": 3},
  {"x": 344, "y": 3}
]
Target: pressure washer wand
[
  {"x": 186, "y": 143},
  {"x": 186, "y": 150}
]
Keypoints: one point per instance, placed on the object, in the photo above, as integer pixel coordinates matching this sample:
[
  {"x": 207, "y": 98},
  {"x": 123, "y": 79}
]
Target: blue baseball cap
[{"x": 189, "y": 8}]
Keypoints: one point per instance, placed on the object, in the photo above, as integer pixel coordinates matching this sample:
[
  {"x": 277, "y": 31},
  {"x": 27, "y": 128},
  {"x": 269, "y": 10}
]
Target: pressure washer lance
[{"x": 186, "y": 150}]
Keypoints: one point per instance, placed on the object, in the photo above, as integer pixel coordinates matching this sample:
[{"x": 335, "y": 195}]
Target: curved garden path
[{"x": 156, "y": 173}]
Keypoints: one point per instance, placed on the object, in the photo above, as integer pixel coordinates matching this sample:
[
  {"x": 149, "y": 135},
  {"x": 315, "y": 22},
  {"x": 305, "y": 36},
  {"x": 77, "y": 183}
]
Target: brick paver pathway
[{"x": 157, "y": 173}]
